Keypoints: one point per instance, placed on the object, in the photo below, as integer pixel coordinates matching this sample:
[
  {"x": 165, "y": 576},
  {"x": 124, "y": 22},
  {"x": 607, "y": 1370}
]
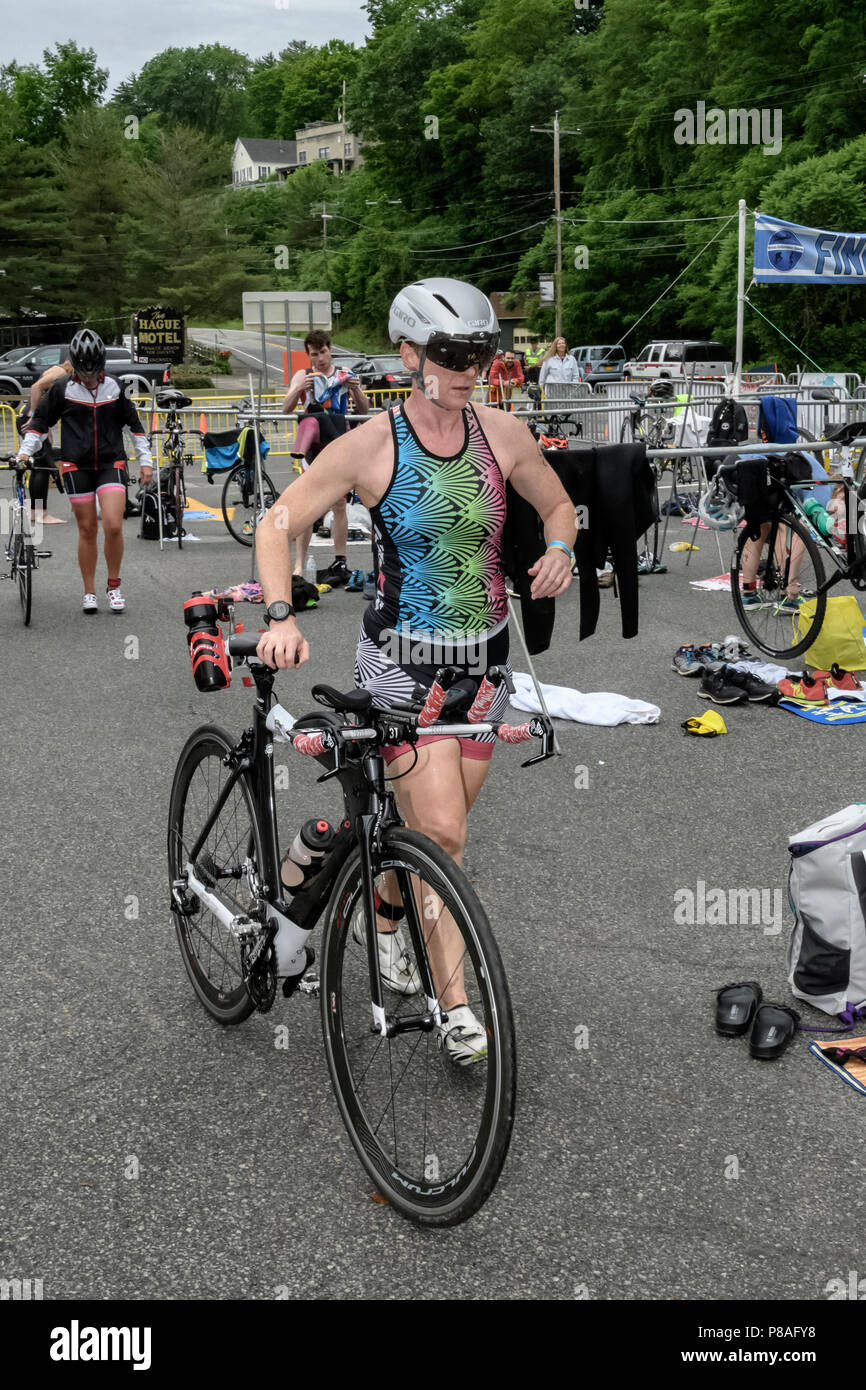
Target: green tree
[
  {"x": 178, "y": 244},
  {"x": 69, "y": 81},
  {"x": 265, "y": 91},
  {"x": 313, "y": 85},
  {"x": 92, "y": 178},
  {"x": 203, "y": 87}
]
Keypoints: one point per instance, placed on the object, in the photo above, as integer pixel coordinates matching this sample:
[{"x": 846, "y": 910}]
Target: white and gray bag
[{"x": 827, "y": 892}]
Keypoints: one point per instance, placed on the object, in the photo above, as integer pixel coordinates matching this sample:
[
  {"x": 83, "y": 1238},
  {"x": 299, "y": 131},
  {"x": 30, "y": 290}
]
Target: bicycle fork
[{"x": 369, "y": 829}]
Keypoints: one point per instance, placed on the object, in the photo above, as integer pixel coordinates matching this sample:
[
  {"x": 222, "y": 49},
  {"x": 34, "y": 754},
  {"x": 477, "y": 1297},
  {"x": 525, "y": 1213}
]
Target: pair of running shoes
[
  {"x": 116, "y": 602},
  {"x": 720, "y": 682}
]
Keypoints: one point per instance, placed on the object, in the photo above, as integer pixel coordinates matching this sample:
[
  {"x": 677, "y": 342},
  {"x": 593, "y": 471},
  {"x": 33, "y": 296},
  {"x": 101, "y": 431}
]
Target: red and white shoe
[{"x": 116, "y": 601}]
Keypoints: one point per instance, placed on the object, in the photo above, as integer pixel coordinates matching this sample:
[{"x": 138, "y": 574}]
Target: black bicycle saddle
[{"x": 350, "y": 702}]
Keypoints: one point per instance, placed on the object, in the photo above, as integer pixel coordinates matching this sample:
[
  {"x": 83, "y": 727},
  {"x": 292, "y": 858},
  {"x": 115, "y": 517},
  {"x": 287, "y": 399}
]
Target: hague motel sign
[{"x": 158, "y": 335}]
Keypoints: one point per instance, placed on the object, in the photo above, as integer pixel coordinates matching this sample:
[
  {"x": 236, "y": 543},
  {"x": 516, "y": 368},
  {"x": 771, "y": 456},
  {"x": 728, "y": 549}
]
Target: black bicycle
[
  {"x": 171, "y": 475},
  {"x": 783, "y": 613},
  {"x": 549, "y": 427},
  {"x": 21, "y": 552},
  {"x": 430, "y": 1117},
  {"x": 242, "y": 509}
]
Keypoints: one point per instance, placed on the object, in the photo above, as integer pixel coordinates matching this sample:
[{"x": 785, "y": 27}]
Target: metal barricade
[{"x": 8, "y": 433}]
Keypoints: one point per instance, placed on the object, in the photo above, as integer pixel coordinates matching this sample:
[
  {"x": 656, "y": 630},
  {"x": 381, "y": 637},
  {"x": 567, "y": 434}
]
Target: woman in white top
[{"x": 558, "y": 365}]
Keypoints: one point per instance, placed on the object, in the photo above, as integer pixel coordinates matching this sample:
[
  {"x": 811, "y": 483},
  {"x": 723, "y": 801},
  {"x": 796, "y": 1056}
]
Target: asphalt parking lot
[{"x": 151, "y": 1154}]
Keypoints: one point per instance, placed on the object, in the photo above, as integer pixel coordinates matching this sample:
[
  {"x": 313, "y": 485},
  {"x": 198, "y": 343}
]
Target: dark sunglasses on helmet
[{"x": 458, "y": 354}]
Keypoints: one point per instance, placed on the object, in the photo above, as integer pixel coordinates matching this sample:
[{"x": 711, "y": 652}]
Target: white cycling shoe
[
  {"x": 90, "y": 604},
  {"x": 116, "y": 601},
  {"x": 462, "y": 1038},
  {"x": 395, "y": 965}
]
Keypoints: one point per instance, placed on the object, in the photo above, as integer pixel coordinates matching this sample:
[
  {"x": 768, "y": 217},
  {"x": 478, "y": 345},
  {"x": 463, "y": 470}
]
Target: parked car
[
  {"x": 17, "y": 377},
  {"x": 679, "y": 358},
  {"x": 384, "y": 373},
  {"x": 600, "y": 362},
  {"x": 14, "y": 355}
]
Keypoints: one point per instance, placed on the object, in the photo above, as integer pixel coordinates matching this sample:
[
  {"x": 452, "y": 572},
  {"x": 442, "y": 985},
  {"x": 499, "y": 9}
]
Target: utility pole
[
  {"x": 326, "y": 216},
  {"x": 556, "y": 132}
]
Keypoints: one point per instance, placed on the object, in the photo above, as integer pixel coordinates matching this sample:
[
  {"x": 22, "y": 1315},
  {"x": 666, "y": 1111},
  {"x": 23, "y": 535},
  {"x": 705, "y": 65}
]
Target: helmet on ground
[
  {"x": 87, "y": 352},
  {"x": 719, "y": 509}
]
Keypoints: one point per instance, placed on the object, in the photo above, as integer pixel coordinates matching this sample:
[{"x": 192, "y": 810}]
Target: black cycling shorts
[{"x": 83, "y": 484}]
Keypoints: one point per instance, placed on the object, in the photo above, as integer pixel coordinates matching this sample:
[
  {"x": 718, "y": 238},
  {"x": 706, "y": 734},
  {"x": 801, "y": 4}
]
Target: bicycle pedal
[
  {"x": 245, "y": 930},
  {"x": 43, "y": 554}
]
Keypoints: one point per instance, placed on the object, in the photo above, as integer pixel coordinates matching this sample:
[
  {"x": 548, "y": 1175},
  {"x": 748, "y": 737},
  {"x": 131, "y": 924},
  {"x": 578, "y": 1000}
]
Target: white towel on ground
[{"x": 599, "y": 707}]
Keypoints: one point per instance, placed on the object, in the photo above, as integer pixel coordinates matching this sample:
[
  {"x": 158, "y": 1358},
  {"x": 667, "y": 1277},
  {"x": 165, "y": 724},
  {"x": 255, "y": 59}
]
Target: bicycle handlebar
[
  {"x": 314, "y": 744},
  {"x": 404, "y": 725},
  {"x": 11, "y": 461}
]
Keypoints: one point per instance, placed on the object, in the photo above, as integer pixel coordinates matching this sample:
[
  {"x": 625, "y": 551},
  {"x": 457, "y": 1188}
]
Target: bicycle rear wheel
[
  {"x": 788, "y": 560},
  {"x": 228, "y": 862},
  {"x": 24, "y": 571},
  {"x": 648, "y": 547},
  {"x": 430, "y": 1122},
  {"x": 238, "y": 501}
]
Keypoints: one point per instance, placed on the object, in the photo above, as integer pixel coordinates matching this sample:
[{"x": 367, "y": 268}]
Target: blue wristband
[{"x": 562, "y": 546}]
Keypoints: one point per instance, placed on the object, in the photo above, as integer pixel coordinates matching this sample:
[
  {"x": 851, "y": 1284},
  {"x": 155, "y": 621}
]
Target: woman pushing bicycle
[
  {"x": 92, "y": 410},
  {"x": 432, "y": 472}
]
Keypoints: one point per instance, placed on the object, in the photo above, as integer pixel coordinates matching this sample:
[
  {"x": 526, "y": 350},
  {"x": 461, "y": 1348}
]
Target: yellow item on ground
[
  {"x": 683, "y": 545},
  {"x": 708, "y": 725},
  {"x": 841, "y": 637}
]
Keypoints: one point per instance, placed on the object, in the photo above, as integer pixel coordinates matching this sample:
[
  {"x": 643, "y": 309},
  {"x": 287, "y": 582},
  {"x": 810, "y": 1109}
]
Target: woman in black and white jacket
[{"x": 92, "y": 410}]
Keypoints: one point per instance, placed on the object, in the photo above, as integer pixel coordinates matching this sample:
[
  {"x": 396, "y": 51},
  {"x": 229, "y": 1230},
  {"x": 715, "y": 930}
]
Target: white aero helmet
[
  {"x": 453, "y": 322},
  {"x": 440, "y": 305}
]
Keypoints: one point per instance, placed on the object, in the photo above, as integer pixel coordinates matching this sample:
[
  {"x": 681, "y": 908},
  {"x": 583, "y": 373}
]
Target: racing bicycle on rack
[
  {"x": 431, "y": 1131},
  {"x": 657, "y": 430},
  {"x": 789, "y": 552},
  {"x": 171, "y": 473}
]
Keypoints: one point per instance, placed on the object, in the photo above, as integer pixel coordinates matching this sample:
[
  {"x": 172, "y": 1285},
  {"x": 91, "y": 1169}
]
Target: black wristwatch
[{"x": 279, "y": 611}]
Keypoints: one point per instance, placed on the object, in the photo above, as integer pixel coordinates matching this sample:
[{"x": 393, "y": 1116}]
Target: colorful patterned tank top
[{"x": 437, "y": 540}]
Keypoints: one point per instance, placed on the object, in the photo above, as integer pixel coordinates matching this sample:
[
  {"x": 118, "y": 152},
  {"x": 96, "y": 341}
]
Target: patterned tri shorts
[{"x": 390, "y": 684}]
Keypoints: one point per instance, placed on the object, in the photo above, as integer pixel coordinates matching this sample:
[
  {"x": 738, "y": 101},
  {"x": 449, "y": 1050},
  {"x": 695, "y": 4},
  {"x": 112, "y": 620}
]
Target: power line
[{"x": 485, "y": 242}]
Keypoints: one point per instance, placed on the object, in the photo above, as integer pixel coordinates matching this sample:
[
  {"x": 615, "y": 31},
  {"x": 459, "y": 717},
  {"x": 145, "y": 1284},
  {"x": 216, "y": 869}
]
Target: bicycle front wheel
[
  {"x": 228, "y": 863},
  {"x": 24, "y": 569},
  {"x": 239, "y": 501},
  {"x": 430, "y": 1109},
  {"x": 789, "y": 571}
]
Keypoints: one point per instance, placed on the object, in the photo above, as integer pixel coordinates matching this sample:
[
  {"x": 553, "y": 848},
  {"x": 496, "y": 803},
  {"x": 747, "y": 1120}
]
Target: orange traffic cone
[{"x": 202, "y": 423}]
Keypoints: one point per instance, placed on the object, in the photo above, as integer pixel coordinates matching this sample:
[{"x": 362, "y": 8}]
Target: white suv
[{"x": 679, "y": 358}]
